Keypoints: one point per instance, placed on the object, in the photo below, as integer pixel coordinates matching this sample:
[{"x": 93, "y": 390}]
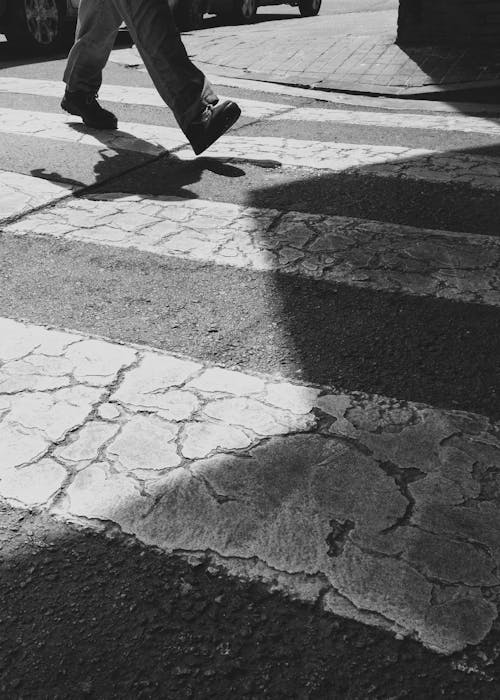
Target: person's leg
[
  {"x": 97, "y": 27},
  {"x": 179, "y": 82}
]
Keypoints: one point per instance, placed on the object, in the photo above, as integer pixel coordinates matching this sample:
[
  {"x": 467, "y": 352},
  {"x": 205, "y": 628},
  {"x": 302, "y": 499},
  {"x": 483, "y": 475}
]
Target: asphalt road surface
[{"x": 325, "y": 253}]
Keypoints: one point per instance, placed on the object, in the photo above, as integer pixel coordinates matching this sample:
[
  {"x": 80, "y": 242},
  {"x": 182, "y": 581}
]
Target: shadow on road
[
  {"x": 85, "y": 615},
  {"x": 431, "y": 564},
  {"x": 419, "y": 348},
  {"x": 366, "y": 335}
]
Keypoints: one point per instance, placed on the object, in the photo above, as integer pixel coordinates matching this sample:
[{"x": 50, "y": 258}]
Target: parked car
[
  {"x": 41, "y": 25},
  {"x": 45, "y": 26},
  {"x": 190, "y": 13}
]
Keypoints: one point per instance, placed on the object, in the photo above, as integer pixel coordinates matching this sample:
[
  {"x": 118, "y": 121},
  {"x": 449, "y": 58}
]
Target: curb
[{"x": 348, "y": 87}]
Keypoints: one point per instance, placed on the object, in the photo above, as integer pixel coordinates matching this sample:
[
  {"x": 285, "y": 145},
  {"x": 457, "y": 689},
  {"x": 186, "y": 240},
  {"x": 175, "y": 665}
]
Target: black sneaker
[
  {"x": 212, "y": 123},
  {"x": 86, "y": 106}
]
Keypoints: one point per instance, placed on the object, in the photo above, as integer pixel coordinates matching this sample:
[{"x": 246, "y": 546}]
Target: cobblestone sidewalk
[{"x": 305, "y": 52}]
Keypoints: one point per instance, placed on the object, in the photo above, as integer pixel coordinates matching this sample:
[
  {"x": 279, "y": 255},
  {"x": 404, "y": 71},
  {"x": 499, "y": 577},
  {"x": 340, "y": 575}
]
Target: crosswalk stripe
[
  {"x": 126, "y": 94},
  {"x": 383, "y": 161},
  {"x": 352, "y": 251},
  {"x": 198, "y": 459},
  {"x": 195, "y": 458},
  {"x": 20, "y": 194},
  {"x": 401, "y": 120},
  {"x": 256, "y": 109}
]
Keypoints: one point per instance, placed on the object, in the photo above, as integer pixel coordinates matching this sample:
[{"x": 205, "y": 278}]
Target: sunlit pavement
[{"x": 278, "y": 360}]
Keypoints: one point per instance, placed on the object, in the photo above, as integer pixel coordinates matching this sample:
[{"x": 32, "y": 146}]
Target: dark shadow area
[
  {"x": 118, "y": 161},
  {"x": 453, "y": 45},
  {"x": 414, "y": 347},
  {"x": 86, "y": 615},
  {"x": 419, "y": 348},
  {"x": 451, "y": 67}
]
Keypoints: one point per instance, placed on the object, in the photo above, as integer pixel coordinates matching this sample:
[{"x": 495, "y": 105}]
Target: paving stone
[
  {"x": 14, "y": 200},
  {"x": 145, "y": 443},
  {"x": 34, "y": 484},
  {"x": 227, "y": 381},
  {"x": 95, "y": 492},
  {"x": 55, "y": 414},
  {"x": 108, "y": 411},
  {"x": 386, "y": 586},
  {"x": 291, "y": 397},
  {"x": 146, "y": 384},
  {"x": 200, "y": 439},
  {"x": 16, "y": 340},
  {"x": 53, "y": 342},
  {"x": 88, "y": 442},
  {"x": 98, "y": 362},
  {"x": 19, "y": 446},
  {"x": 256, "y": 416},
  {"x": 455, "y": 624},
  {"x": 177, "y": 405},
  {"x": 288, "y": 491},
  {"x": 15, "y": 382}
]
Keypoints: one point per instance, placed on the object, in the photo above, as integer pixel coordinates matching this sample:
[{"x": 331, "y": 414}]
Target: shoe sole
[
  {"x": 228, "y": 122},
  {"x": 93, "y": 125}
]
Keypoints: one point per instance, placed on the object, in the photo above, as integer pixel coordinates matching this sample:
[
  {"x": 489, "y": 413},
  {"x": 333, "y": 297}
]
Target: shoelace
[{"x": 207, "y": 113}]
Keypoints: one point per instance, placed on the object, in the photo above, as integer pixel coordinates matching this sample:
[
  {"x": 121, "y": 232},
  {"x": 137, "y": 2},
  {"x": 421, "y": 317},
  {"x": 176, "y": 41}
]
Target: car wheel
[
  {"x": 37, "y": 24},
  {"x": 189, "y": 14},
  {"x": 309, "y": 8},
  {"x": 245, "y": 10}
]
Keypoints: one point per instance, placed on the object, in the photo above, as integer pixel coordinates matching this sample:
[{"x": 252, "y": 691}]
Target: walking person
[{"x": 179, "y": 82}]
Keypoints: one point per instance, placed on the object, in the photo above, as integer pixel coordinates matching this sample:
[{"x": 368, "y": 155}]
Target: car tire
[
  {"x": 309, "y": 8},
  {"x": 189, "y": 14},
  {"x": 244, "y": 11},
  {"x": 37, "y": 25}
]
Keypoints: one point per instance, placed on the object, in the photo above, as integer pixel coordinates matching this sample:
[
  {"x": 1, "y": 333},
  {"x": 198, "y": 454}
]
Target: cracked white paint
[
  {"x": 129, "y": 95},
  {"x": 20, "y": 194},
  {"x": 34, "y": 484},
  {"x": 258, "y": 109},
  {"x": 145, "y": 443},
  {"x": 480, "y": 171},
  {"x": 386, "y": 512},
  {"x": 429, "y": 122},
  {"x": 353, "y": 251}
]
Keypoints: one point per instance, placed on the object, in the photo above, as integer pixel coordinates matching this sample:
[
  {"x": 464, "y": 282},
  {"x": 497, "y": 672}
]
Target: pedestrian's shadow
[{"x": 123, "y": 153}]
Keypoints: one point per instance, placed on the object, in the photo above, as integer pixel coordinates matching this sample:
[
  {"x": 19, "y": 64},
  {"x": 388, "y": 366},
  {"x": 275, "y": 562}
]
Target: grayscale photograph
[{"x": 249, "y": 350}]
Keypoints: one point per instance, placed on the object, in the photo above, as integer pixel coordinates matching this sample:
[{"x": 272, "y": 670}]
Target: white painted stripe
[
  {"x": 336, "y": 249},
  {"x": 153, "y": 140},
  {"x": 61, "y": 127},
  {"x": 420, "y": 122},
  {"x": 20, "y": 194},
  {"x": 383, "y": 161},
  {"x": 125, "y": 94},
  {"x": 256, "y": 109},
  {"x": 146, "y": 440}
]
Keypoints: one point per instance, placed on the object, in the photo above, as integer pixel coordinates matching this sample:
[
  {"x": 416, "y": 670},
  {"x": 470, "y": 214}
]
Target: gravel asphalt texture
[{"x": 94, "y": 614}]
